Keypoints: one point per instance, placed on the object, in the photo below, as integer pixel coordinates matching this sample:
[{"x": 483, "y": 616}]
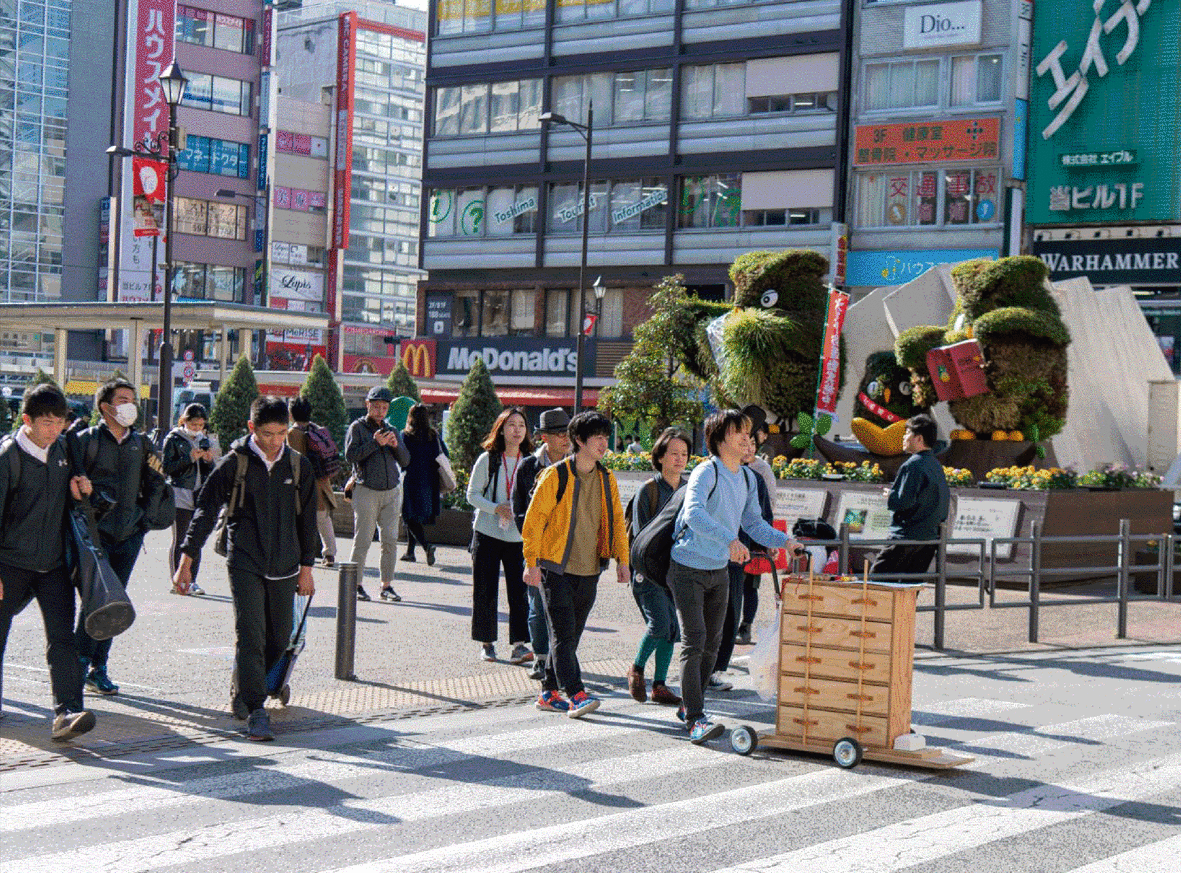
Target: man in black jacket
[
  {"x": 919, "y": 500},
  {"x": 35, "y": 486},
  {"x": 271, "y": 547},
  {"x": 116, "y": 457},
  {"x": 378, "y": 455}
]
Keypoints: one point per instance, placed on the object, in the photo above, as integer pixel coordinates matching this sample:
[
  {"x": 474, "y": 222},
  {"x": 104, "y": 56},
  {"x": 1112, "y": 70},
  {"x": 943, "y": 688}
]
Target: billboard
[{"x": 1104, "y": 112}]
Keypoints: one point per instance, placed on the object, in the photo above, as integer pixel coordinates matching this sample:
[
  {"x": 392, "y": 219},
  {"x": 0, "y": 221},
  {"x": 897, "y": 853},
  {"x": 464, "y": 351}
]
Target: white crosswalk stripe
[
  {"x": 1041, "y": 741},
  {"x": 1158, "y": 857}
]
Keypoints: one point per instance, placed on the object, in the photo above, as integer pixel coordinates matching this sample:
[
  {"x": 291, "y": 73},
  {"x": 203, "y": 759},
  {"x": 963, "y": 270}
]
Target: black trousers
[
  {"x": 414, "y": 534},
  {"x": 903, "y": 559},
  {"x": 736, "y": 575},
  {"x": 568, "y": 601},
  {"x": 262, "y": 626},
  {"x": 179, "y": 528},
  {"x": 490, "y": 555},
  {"x": 55, "y": 595}
]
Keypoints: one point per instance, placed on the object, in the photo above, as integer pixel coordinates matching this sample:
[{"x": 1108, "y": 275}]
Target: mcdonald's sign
[{"x": 419, "y": 356}]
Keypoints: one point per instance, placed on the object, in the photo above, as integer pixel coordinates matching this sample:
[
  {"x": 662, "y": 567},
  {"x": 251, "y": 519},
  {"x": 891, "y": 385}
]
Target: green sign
[{"x": 1105, "y": 112}]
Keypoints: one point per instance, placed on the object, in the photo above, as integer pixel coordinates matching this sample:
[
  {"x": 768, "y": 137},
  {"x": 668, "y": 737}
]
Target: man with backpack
[
  {"x": 573, "y": 526},
  {"x": 270, "y": 532},
  {"x": 36, "y": 484},
  {"x": 720, "y": 499},
  {"x": 555, "y": 446},
  {"x": 317, "y": 445}
]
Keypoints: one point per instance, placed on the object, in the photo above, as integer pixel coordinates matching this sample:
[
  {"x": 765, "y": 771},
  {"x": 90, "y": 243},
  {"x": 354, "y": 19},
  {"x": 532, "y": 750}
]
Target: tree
[
  {"x": 231, "y": 406},
  {"x": 650, "y": 384},
  {"x": 323, "y": 393},
  {"x": 402, "y": 384},
  {"x": 42, "y": 378},
  {"x": 472, "y": 416}
]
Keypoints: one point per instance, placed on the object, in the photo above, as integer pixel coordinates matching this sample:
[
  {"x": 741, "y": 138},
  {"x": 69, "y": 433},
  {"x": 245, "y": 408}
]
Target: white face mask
[
  {"x": 194, "y": 433},
  {"x": 126, "y": 414}
]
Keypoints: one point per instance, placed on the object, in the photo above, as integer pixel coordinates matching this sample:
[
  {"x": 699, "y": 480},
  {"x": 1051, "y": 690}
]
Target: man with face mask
[{"x": 114, "y": 457}]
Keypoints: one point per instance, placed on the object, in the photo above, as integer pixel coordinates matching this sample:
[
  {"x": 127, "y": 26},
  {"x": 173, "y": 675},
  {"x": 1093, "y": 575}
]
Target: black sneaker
[
  {"x": 388, "y": 593},
  {"x": 239, "y": 709},
  {"x": 538, "y": 671},
  {"x": 362, "y": 594},
  {"x": 71, "y": 724},
  {"x": 409, "y": 558},
  {"x": 258, "y": 727},
  {"x": 430, "y": 556}
]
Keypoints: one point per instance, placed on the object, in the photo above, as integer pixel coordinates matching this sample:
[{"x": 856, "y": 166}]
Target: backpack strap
[
  {"x": 91, "y": 452},
  {"x": 9, "y": 448},
  {"x": 652, "y": 494},
  {"x": 606, "y": 485},
  {"x": 296, "y": 459},
  {"x": 238, "y": 493},
  {"x": 493, "y": 475},
  {"x": 563, "y": 480}
]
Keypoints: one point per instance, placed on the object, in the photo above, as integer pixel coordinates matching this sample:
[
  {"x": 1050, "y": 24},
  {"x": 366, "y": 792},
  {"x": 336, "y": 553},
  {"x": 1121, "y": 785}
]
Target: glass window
[
  {"x": 629, "y": 96},
  {"x": 194, "y": 25},
  {"x": 556, "y": 311},
  {"x": 711, "y": 201},
  {"x": 199, "y": 92},
  {"x": 465, "y": 313},
  {"x": 230, "y": 96},
  {"x": 478, "y": 16},
  {"x": 500, "y": 211},
  {"x": 658, "y": 96},
  {"x": 600, "y": 88},
  {"x": 192, "y": 216},
  {"x": 571, "y": 10},
  {"x": 625, "y": 205},
  {"x": 469, "y": 214},
  {"x": 524, "y": 305},
  {"x": 229, "y": 33},
  {"x": 227, "y": 221},
  {"x": 529, "y": 107},
  {"x": 610, "y": 322},
  {"x": 195, "y": 157},
  {"x": 508, "y": 14},
  {"x": 697, "y": 87},
  {"x": 496, "y": 313},
  {"x": 188, "y": 280},
  {"x": 564, "y": 207},
  {"x": 447, "y": 102},
  {"x": 902, "y": 84},
  {"x": 729, "y": 89},
  {"x": 505, "y": 106},
  {"x": 473, "y": 110},
  {"x": 567, "y": 96},
  {"x": 225, "y": 283},
  {"x": 988, "y": 79},
  {"x": 958, "y": 196},
  {"x": 534, "y": 13}
]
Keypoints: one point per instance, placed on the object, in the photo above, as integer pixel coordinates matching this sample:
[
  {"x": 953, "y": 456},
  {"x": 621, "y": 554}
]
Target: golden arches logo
[{"x": 419, "y": 358}]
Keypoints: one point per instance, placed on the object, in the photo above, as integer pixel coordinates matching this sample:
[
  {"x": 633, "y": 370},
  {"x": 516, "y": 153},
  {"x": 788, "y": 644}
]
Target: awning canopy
[{"x": 510, "y": 396}]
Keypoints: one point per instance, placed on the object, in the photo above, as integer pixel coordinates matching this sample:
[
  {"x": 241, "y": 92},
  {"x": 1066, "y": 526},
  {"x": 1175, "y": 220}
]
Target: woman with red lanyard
[{"x": 496, "y": 542}]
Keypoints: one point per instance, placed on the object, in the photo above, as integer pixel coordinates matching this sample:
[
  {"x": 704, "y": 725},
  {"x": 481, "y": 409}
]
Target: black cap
[{"x": 379, "y": 392}]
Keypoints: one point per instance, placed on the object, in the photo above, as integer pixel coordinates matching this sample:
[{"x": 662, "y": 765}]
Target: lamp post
[
  {"x": 172, "y": 83},
  {"x": 600, "y": 292},
  {"x": 586, "y": 131}
]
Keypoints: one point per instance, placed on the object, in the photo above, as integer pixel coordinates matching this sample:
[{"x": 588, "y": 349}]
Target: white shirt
[
  {"x": 26, "y": 442},
  {"x": 258, "y": 451}
]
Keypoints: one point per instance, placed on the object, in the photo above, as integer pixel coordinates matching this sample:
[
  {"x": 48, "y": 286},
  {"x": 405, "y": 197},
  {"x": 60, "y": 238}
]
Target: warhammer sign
[{"x": 1152, "y": 261}]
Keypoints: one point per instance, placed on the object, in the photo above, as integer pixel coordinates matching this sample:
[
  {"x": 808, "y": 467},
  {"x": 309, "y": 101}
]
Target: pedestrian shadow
[{"x": 1003, "y": 667}]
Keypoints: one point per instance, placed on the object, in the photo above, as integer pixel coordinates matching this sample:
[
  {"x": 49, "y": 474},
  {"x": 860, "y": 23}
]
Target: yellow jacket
[{"x": 548, "y": 533}]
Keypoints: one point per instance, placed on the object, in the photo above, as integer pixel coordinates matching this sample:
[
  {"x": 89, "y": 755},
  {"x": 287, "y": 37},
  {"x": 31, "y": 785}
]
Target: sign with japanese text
[
  {"x": 876, "y": 268},
  {"x": 346, "y": 58},
  {"x": 829, "y": 382},
  {"x": 928, "y": 142},
  {"x": 866, "y": 513},
  {"x": 1105, "y": 112},
  {"x": 794, "y": 503},
  {"x": 978, "y": 518}
]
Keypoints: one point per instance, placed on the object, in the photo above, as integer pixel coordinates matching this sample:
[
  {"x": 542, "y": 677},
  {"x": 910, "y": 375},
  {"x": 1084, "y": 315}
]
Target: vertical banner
[
  {"x": 829, "y": 383},
  {"x": 346, "y": 53},
  {"x": 839, "y": 251}
]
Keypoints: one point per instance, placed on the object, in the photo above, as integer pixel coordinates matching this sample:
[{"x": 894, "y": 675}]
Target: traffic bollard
[{"x": 346, "y": 621}]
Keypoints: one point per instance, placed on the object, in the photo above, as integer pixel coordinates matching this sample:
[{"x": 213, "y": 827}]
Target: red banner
[
  {"x": 149, "y": 179},
  {"x": 154, "y": 50},
  {"x": 346, "y": 56},
  {"x": 830, "y": 360}
]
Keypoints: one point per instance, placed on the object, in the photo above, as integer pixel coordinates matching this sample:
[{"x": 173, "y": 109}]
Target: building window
[
  {"x": 210, "y": 218},
  {"x": 209, "y": 282},
  {"x": 710, "y": 201},
  {"x": 639, "y": 205},
  {"x": 785, "y": 217},
  {"x": 793, "y": 103},
  {"x": 499, "y": 107},
  {"x": 933, "y": 198},
  {"x": 975, "y": 79},
  {"x": 217, "y": 94},
  {"x": 902, "y": 85},
  {"x": 640, "y": 96},
  {"x": 565, "y": 208},
  {"x": 715, "y": 91},
  {"x": 557, "y": 311},
  {"x": 523, "y": 319},
  {"x": 214, "y": 29},
  {"x": 205, "y": 154},
  {"x": 465, "y": 314}
]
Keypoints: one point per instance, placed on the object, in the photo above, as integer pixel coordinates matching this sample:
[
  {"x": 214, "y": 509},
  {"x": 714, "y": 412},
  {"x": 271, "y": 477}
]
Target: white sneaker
[{"x": 717, "y": 683}]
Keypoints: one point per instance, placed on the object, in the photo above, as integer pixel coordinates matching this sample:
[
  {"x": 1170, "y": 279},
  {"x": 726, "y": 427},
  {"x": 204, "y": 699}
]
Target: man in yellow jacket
[{"x": 573, "y": 527}]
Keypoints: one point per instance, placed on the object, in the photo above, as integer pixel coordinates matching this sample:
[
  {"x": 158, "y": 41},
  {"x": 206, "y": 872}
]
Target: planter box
[
  {"x": 453, "y": 527},
  {"x": 1144, "y": 581}
]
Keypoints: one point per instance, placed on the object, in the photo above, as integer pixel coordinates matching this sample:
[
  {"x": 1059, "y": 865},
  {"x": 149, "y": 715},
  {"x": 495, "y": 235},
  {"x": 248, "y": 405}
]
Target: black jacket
[
  {"x": 374, "y": 466},
  {"x": 179, "y": 466},
  {"x": 918, "y": 498},
  {"x": 527, "y": 474},
  {"x": 117, "y": 469},
  {"x": 33, "y": 522},
  {"x": 265, "y": 536}
]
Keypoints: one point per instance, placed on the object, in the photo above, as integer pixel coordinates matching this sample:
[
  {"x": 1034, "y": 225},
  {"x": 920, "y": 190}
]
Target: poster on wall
[
  {"x": 1104, "y": 112},
  {"x": 866, "y": 514}
]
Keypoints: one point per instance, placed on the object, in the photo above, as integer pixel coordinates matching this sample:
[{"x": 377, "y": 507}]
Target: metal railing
[{"x": 986, "y": 569}]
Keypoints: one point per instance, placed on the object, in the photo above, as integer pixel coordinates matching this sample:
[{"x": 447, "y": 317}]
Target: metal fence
[{"x": 987, "y": 570}]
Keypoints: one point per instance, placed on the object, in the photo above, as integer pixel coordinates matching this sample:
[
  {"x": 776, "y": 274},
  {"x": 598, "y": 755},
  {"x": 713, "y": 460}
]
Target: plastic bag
[{"x": 764, "y": 659}]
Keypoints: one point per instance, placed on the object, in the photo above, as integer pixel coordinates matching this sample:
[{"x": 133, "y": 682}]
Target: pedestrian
[
  {"x": 722, "y": 497},
  {"x": 378, "y": 456},
  {"x": 634, "y": 447},
  {"x": 300, "y": 438},
  {"x": 573, "y": 526},
  {"x": 496, "y": 542},
  {"x": 739, "y": 581},
  {"x": 188, "y": 456},
  {"x": 35, "y": 487},
  {"x": 919, "y": 499},
  {"x": 421, "y": 497},
  {"x": 555, "y": 446},
  {"x": 270, "y": 547},
  {"x": 750, "y": 582},
  {"x": 670, "y": 456},
  {"x": 121, "y": 464}
]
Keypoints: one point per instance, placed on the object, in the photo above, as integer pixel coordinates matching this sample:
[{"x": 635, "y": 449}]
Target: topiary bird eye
[
  {"x": 873, "y": 389},
  {"x": 905, "y": 388},
  {"x": 769, "y": 299}
]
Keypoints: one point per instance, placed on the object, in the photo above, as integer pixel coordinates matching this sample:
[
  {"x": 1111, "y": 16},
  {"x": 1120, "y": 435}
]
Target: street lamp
[
  {"x": 600, "y": 292},
  {"x": 586, "y": 131},
  {"x": 163, "y": 150}
]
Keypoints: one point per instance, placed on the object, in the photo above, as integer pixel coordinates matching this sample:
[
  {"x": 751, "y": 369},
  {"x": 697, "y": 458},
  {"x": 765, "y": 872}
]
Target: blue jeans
[
  {"x": 122, "y": 556},
  {"x": 538, "y": 630},
  {"x": 657, "y": 608}
]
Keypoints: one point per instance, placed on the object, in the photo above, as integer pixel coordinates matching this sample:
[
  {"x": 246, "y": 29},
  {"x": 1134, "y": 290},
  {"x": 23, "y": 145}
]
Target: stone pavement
[{"x": 412, "y": 657}]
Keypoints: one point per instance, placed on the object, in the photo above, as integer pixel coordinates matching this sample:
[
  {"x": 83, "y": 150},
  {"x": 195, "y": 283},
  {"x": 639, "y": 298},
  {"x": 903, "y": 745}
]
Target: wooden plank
[
  {"x": 839, "y": 599},
  {"x": 901, "y": 664},
  {"x": 928, "y": 759},
  {"x": 818, "y": 725},
  {"x": 796, "y": 660},
  {"x": 834, "y": 695},
  {"x": 835, "y": 633}
]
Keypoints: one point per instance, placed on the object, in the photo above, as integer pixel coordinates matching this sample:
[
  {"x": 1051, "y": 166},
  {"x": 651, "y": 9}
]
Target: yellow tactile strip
[{"x": 128, "y": 726}]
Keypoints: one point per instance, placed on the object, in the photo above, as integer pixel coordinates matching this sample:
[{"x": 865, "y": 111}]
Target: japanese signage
[
  {"x": 978, "y": 518},
  {"x": 298, "y": 199},
  {"x": 1136, "y": 261},
  {"x": 866, "y": 514},
  {"x": 346, "y": 56},
  {"x": 297, "y": 285},
  {"x": 792, "y": 503},
  {"x": 829, "y": 383},
  {"x": 154, "y": 41},
  {"x": 951, "y": 139},
  {"x": 516, "y": 356},
  {"x": 438, "y": 315},
  {"x": 899, "y": 267},
  {"x": 941, "y": 24},
  {"x": 301, "y": 144},
  {"x": 1105, "y": 112}
]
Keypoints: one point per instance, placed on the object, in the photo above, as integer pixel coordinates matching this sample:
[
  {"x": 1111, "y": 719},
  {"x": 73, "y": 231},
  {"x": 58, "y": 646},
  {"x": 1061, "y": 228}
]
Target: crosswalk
[{"x": 514, "y": 790}]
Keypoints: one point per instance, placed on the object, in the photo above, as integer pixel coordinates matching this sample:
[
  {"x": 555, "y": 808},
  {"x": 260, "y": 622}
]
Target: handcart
[{"x": 846, "y": 663}]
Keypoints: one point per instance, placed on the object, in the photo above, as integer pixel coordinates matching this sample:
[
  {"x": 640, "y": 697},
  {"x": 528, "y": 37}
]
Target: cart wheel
[
  {"x": 847, "y": 753},
  {"x": 744, "y": 740},
  {"x": 285, "y": 695}
]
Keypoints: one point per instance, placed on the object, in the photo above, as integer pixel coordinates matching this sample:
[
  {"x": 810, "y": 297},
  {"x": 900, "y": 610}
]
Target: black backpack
[
  {"x": 651, "y": 551},
  {"x": 650, "y": 491}
]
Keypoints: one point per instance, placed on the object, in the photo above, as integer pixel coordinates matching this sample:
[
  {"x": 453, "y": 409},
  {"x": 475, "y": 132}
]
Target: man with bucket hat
[
  {"x": 377, "y": 454},
  {"x": 555, "y": 445}
]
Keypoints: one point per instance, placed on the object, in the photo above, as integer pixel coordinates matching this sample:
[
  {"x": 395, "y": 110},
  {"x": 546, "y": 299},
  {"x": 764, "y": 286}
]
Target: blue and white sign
[{"x": 899, "y": 267}]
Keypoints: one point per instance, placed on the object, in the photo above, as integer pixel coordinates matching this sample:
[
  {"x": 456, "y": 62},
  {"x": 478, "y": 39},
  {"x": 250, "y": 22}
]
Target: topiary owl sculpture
[
  {"x": 1007, "y": 306},
  {"x": 885, "y": 400},
  {"x": 765, "y": 349}
]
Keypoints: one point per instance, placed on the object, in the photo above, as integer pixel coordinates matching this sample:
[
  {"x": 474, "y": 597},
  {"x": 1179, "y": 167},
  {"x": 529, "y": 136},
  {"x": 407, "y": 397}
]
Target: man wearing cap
[
  {"x": 555, "y": 445},
  {"x": 378, "y": 455}
]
